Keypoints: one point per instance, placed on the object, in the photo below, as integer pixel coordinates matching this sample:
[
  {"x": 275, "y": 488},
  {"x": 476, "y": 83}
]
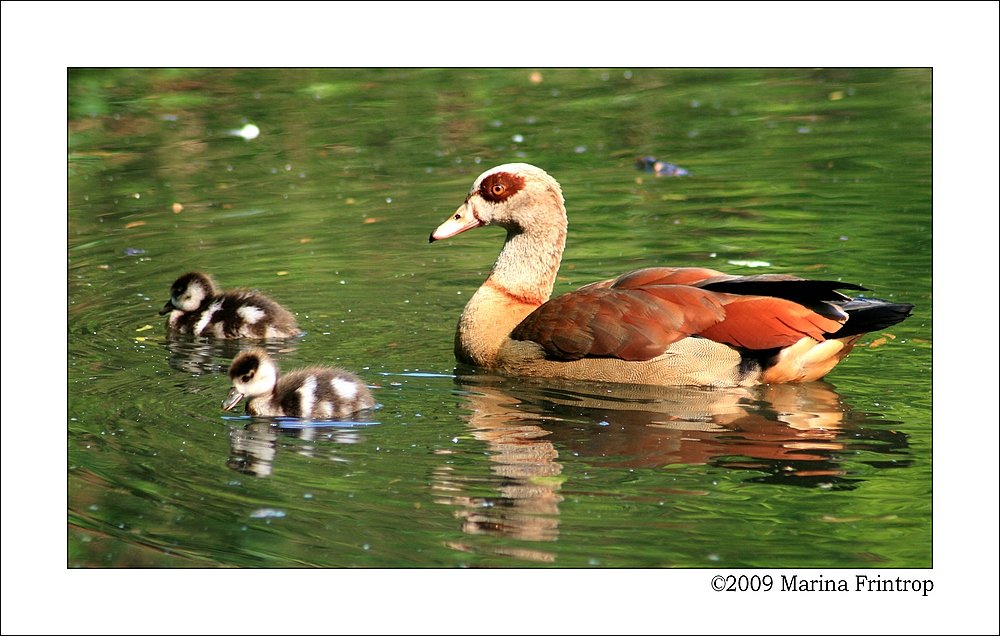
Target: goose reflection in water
[{"x": 790, "y": 434}]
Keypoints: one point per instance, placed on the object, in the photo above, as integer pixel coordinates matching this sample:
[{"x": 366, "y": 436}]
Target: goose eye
[
  {"x": 458, "y": 216},
  {"x": 498, "y": 189},
  {"x": 248, "y": 377}
]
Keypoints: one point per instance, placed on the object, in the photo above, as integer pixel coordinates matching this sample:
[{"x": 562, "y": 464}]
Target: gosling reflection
[
  {"x": 253, "y": 448},
  {"x": 789, "y": 433},
  {"x": 203, "y": 356}
]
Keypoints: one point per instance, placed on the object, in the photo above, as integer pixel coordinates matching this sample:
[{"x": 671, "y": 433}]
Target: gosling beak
[
  {"x": 463, "y": 219},
  {"x": 169, "y": 307},
  {"x": 232, "y": 399}
]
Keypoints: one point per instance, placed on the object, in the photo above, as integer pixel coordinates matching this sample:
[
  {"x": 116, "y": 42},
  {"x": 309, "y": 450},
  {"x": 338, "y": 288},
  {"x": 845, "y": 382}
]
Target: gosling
[
  {"x": 311, "y": 393},
  {"x": 197, "y": 306}
]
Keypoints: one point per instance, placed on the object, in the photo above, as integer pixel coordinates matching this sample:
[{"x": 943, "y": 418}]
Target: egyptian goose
[
  {"x": 314, "y": 393},
  {"x": 198, "y": 307},
  {"x": 660, "y": 325}
]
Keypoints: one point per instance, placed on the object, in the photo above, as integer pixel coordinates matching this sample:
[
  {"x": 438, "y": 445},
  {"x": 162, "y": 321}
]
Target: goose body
[
  {"x": 313, "y": 393},
  {"x": 198, "y": 307},
  {"x": 659, "y": 325}
]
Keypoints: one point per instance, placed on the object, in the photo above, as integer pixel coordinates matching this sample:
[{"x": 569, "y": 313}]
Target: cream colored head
[
  {"x": 515, "y": 196},
  {"x": 253, "y": 374}
]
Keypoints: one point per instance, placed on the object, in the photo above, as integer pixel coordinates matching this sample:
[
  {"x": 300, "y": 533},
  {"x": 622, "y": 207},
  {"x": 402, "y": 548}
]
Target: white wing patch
[
  {"x": 250, "y": 314},
  {"x": 345, "y": 389},
  {"x": 307, "y": 396},
  {"x": 206, "y": 317}
]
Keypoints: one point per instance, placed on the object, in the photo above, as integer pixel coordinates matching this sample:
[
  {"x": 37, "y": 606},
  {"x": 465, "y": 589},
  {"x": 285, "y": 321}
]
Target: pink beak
[{"x": 463, "y": 219}]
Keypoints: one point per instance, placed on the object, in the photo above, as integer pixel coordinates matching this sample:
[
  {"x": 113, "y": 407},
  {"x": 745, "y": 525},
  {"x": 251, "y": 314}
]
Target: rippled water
[{"x": 821, "y": 173}]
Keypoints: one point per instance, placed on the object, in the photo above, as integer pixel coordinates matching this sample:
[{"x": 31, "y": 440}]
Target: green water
[{"x": 825, "y": 173}]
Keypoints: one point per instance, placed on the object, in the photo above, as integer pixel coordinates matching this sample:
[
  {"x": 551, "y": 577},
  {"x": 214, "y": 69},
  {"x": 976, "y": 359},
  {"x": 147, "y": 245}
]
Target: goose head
[
  {"x": 189, "y": 292},
  {"x": 515, "y": 196},
  {"x": 253, "y": 374}
]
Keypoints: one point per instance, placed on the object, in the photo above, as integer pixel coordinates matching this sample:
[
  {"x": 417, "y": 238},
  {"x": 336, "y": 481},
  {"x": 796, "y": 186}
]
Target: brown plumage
[
  {"x": 659, "y": 325},
  {"x": 631, "y": 324}
]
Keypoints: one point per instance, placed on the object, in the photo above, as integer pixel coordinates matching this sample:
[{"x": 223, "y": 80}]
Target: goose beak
[
  {"x": 232, "y": 399},
  {"x": 169, "y": 307},
  {"x": 463, "y": 219}
]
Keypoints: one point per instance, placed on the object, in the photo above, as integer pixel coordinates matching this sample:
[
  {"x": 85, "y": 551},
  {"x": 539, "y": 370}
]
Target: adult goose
[{"x": 660, "y": 326}]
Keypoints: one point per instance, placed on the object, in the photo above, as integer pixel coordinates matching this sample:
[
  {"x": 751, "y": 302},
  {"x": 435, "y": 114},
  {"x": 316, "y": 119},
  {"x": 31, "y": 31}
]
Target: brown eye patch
[{"x": 500, "y": 186}]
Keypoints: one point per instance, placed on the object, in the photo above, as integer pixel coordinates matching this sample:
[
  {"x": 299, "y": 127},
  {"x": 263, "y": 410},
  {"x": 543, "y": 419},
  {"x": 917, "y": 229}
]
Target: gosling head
[
  {"x": 189, "y": 292},
  {"x": 253, "y": 374}
]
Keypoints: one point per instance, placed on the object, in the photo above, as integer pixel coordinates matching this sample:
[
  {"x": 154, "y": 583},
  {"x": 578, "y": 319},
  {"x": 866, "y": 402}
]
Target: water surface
[{"x": 824, "y": 173}]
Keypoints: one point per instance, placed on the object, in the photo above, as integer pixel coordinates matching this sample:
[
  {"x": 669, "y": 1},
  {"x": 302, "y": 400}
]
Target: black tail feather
[
  {"x": 870, "y": 314},
  {"x": 794, "y": 289}
]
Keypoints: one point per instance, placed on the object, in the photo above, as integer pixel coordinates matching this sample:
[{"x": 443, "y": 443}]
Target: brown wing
[
  {"x": 637, "y": 315},
  {"x": 762, "y": 322},
  {"x": 630, "y": 324},
  {"x": 659, "y": 276}
]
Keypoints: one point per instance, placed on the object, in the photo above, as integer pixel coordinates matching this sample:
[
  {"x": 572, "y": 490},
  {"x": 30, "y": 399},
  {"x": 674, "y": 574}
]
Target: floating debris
[
  {"x": 248, "y": 132},
  {"x": 750, "y": 263},
  {"x": 660, "y": 168},
  {"x": 134, "y": 251},
  {"x": 267, "y": 513},
  {"x": 878, "y": 342},
  {"x": 177, "y": 208}
]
